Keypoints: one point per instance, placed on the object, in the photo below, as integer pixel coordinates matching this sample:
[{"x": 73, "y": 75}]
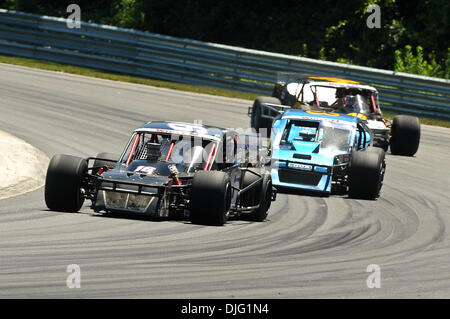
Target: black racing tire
[
  {"x": 405, "y": 135},
  {"x": 252, "y": 196},
  {"x": 265, "y": 201},
  {"x": 210, "y": 199},
  {"x": 63, "y": 183},
  {"x": 366, "y": 173},
  {"x": 113, "y": 158},
  {"x": 256, "y": 121},
  {"x": 261, "y": 194}
]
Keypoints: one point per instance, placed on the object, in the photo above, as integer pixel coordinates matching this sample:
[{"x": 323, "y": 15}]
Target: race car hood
[
  {"x": 306, "y": 147},
  {"x": 135, "y": 177},
  {"x": 140, "y": 178},
  {"x": 305, "y": 152}
]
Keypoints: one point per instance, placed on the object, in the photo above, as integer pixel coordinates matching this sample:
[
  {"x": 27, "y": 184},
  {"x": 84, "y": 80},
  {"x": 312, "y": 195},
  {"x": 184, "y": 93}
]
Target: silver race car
[{"x": 167, "y": 169}]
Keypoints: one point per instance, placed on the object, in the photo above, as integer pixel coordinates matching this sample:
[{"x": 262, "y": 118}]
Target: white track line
[{"x": 22, "y": 166}]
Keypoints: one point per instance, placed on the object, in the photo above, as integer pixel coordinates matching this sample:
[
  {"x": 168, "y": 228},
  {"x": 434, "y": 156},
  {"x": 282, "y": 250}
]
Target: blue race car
[{"x": 327, "y": 153}]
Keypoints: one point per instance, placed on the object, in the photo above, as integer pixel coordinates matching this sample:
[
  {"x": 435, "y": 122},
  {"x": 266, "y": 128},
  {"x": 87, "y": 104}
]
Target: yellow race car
[{"x": 328, "y": 94}]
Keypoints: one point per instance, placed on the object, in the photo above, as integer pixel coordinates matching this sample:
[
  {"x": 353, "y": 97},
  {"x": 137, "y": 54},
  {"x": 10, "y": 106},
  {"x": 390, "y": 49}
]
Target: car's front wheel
[
  {"x": 210, "y": 199},
  {"x": 367, "y": 173},
  {"x": 64, "y": 182}
]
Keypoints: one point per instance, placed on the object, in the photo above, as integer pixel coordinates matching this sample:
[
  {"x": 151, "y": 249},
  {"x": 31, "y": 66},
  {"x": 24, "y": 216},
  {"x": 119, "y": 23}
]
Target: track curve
[{"x": 309, "y": 247}]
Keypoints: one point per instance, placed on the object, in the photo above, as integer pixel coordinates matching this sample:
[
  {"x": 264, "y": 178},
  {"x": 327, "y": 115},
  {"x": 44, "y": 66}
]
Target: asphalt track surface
[{"x": 309, "y": 247}]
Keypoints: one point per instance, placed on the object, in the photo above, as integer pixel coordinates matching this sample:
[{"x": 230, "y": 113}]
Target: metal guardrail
[{"x": 194, "y": 62}]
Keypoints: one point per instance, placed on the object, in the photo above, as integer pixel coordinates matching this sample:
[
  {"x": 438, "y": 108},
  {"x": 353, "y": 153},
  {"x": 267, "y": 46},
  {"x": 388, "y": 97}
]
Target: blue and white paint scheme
[{"x": 311, "y": 148}]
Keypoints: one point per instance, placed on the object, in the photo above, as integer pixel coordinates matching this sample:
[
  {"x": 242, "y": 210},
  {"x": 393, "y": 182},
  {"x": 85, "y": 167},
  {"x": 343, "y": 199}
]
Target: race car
[
  {"x": 328, "y": 94},
  {"x": 326, "y": 153},
  {"x": 167, "y": 169}
]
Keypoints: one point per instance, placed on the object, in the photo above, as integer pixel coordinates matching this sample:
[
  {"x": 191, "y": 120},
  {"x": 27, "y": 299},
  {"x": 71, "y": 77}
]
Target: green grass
[
  {"x": 423, "y": 120},
  {"x": 59, "y": 67}
]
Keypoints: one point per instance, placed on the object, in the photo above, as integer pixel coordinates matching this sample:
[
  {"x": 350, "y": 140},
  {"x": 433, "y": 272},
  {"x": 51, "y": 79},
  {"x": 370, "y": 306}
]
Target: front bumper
[
  {"x": 131, "y": 197},
  {"x": 302, "y": 180},
  {"x": 112, "y": 201}
]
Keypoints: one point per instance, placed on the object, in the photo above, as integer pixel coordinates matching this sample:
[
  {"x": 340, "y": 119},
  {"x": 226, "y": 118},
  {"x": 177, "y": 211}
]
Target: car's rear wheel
[
  {"x": 257, "y": 121},
  {"x": 210, "y": 200},
  {"x": 405, "y": 135},
  {"x": 260, "y": 194},
  {"x": 64, "y": 182},
  {"x": 111, "y": 161},
  {"x": 367, "y": 173}
]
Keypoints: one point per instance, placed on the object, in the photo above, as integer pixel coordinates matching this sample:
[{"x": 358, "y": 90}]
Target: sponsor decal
[
  {"x": 188, "y": 128},
  {"x": 302, "y": 167}
]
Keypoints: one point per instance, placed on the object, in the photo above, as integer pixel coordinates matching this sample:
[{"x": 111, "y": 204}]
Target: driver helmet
[{"x": 350, "y": 103}]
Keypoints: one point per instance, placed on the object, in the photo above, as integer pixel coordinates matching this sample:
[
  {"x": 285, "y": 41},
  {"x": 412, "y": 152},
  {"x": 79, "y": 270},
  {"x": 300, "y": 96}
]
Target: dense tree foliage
[{"x": 413, "y": 37}]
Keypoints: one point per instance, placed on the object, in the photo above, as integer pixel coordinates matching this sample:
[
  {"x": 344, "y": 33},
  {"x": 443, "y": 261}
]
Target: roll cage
[
  {"x": 297, "y": 91},
  {"x": 177, "y": 148}
]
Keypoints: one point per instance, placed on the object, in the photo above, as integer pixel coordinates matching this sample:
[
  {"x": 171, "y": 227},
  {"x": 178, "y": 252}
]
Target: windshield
[
  {"x": 188, "y": 153},
  {"x": 353, "y": 104},
  {"x": 330, "y": 135},
  {"x": 340, "y": 100},
  {"x": 297, "y": 130},
  {"x": 335, "y": 137}
]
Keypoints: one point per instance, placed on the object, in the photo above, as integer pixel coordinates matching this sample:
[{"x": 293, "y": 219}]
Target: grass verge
[
  {"x": 66, "y": 68},
  {"x": 423, "y": 120}
]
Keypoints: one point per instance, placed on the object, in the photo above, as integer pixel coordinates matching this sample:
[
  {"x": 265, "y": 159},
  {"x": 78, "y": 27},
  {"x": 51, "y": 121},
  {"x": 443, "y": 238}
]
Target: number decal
[
  {"x": 145, "y": 169},
  {"x": 322, "y": 113},
  {"x": 361, "y": 116}
]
